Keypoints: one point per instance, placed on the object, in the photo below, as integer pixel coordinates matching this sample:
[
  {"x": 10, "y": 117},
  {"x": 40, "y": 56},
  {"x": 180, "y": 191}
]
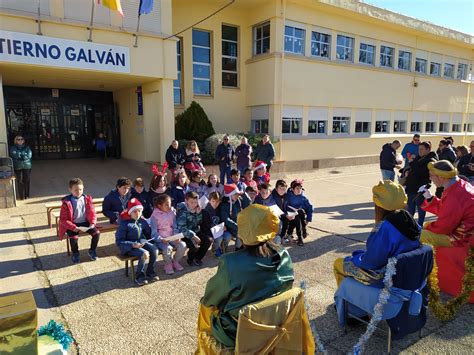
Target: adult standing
[
  {"x": 224, "y": 155},
  {"x": 446, "y": 152},
  {"x": 388, "y": 160},
  {"x": 410, "y": 150},
  {"x": 243, "y": 154},
  {"x": 265, "y": 151},
  {"x": 418, "y": 175},
  {"x": 461, "y": 150},
  {"x": 175, "y": 157},
  {"x": 21, "y": 155},
  {"x": 466, "y": 165}
]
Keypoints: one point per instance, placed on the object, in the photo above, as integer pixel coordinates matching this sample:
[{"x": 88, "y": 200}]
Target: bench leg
[
  {"x": 126, "y": 268},
  {"x": 48, "y": 212},
  {"x": 67, "y": 246},
  {"x": 133, "y": 269}
]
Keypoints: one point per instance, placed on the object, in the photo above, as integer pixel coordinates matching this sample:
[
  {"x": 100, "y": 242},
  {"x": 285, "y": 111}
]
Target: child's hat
[
  {"x": 257, "y": 224},
  {"x": 259, "y": 164},
  {"x": 134, "y": 204},
  {"x": 231, "y": 189}
]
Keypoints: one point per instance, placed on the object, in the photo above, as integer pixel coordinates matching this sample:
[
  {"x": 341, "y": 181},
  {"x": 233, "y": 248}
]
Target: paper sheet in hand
[
  {"x": 275, "y": 209},
  {"x": 218, "y": 230},
  {"x": 83, "y": 229},
  {"x": 203, "y": 202},
  {"x": 291, "y": 214},
  {"x": 174, "y": 237}
]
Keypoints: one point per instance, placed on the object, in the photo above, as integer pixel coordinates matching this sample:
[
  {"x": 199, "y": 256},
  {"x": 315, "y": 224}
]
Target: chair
[
  {"x": 277, "y": 325},
  {"x": 405, "y": 311}
]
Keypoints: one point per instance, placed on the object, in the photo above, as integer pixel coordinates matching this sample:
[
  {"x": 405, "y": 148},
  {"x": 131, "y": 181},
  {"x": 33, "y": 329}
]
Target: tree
[{"x": 193, "y": 124}]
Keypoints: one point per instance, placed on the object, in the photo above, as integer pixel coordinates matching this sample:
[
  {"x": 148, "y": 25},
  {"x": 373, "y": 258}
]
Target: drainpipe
[{"x": 282, "y": 71}]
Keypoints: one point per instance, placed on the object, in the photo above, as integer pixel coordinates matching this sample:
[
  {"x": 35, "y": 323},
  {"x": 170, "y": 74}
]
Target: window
[
  {"x": 456, "y": 127},
  {"x": 367, "y": 54},
  {"x": 340, "y": 124},
  {"x": 291, "y": 125},
  {"x": 467, "y": 127},
  {"x": 260, "y": 126},
  {"x": 320, "y": 44},
  {"x": 362, "y": 127},
  {"x": 444, "y": 126},
  {"x": 294, "y": 40},
  {"x": 430, "y": 126},
  {"x": 381, "y": 126},
  {"x": 229, "y": 56},
  {"x": 420, "y": 65},
  {"x": 177, "y": 84},
  {"x": 201, "y": 62},
  {"x": 435, "y": 69},
  {"x": 386, "y": 56},
  {"x": 462, "y": 71},
  {"x": 449, "y": 70},
  {"x": 415, "y": 127},
  {"x": 261, "y": 39},
  {"x": 345, "y": 48},
  {"x": 404, "y": 60},
  {"x": 317, "y": 127},
  {"x": 399, "y": 126}
]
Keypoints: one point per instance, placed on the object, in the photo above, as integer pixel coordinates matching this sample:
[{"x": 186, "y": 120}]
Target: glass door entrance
[{"x": 62, "y": 128}]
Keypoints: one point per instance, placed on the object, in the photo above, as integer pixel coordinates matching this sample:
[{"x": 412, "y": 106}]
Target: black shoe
[
  {"x": 197, "y": 262},
  {"x": 300, "y": 243},
  {"x": 141, "y": 281},
  {"x": 190, "y": 262},
  {"x": 76, "y": 258},
  {"x": 305, "y": 233},
  {"x": 152, "y": 277}
]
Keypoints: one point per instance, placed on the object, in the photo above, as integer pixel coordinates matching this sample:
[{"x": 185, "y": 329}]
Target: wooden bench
[
  {"x": 56, "y": 215},
  {"x": 51, "y": 206},
  {"x": 129, "y": 264},
  {"x": 103, "y": 226}
]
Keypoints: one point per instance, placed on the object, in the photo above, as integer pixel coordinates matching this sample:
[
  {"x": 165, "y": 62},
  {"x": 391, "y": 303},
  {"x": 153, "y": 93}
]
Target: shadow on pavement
[{"x": 356, "y": 211}]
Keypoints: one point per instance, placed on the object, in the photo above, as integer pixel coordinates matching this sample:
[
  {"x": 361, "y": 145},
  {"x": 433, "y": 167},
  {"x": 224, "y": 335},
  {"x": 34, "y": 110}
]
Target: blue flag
[{"x": 146, "y": 6}]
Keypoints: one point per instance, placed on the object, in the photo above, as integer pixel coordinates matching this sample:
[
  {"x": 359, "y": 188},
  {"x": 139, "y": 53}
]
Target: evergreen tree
[{"x": 193, "y": 124}]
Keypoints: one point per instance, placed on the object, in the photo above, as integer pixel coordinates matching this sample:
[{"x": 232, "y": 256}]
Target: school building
[{"x": 329, "y": 80}]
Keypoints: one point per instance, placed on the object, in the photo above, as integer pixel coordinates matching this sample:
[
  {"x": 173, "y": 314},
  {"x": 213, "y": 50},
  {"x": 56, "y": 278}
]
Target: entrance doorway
[{"x": 64, "y": 126}]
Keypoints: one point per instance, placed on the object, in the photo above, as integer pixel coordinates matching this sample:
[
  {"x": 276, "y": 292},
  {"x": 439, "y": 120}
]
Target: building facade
[
  {"x": 63, "y": 81},
  {"x": 326, "y": 79}
]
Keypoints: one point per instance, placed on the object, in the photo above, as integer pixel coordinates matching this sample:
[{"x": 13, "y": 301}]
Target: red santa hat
[
  {"x": 259, "y": 164},
  {"x": 231, "y": 189},
  {"x": 133, "y": 204}
]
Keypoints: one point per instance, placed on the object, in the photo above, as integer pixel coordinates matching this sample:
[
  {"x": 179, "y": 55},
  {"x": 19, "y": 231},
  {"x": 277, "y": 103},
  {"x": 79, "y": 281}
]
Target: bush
[
  {"x": 193, "y": 124},
  {"x": 211, "y": 143}
]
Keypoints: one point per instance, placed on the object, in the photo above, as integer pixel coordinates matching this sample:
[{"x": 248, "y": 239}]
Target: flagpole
[
  {"x": 92, "y": 21},
  {"x": 39, "y": 19},
  {"x": 136, "y": 34}
]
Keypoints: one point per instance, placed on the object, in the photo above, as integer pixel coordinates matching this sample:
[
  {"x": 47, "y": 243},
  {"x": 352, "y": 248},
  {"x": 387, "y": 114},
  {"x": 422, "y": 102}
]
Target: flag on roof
[
  {"x": 146, "y": 6},
  {"x": 113, "y": 5}
]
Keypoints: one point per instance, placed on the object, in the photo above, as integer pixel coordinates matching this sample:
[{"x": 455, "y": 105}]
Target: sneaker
[
  {"x": 169, "y": 269},
  {"x": 153, "y": 277},
  {"x": 300, "y": 243},
  {"x": 177, "y": 266},
  {"x": 92, "y": 255},
  {"x": 218, "y": 252},
  {"x": 141, "y": 280},
  {"x": 197, "y": 262},
  {"x": 75, "y": 258}
]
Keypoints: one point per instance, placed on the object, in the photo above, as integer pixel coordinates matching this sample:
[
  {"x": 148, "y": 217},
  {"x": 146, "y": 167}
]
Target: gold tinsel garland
[{"x": 445, "y": 312}]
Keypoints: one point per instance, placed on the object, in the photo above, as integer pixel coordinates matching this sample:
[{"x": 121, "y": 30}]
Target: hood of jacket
[{"x": 405, "y": 224}]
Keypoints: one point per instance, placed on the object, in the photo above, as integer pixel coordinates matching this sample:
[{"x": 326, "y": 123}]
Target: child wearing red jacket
[{"x": 78, "y": 214}]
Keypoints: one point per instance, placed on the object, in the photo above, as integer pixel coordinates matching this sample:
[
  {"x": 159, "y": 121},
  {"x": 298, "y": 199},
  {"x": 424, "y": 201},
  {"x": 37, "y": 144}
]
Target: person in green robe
[{"x": 261, "y": 270}]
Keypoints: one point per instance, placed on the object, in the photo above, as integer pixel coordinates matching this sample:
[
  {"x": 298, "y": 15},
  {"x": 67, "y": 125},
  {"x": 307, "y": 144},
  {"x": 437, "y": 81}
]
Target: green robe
[{"x": 242, "y": 279}]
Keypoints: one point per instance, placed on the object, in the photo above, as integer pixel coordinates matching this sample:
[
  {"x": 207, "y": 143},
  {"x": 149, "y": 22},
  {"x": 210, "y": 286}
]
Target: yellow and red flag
[{"x": 114, "y": 5}]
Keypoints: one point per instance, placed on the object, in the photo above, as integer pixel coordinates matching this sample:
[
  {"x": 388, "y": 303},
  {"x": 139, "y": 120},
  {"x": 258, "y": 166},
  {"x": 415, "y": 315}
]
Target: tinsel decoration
[
  {"x": 316, "y": 336},
  {"x": 57, "y": 332},
  {"x": 445, "y": 312},
  {"x": 376, "y": 316}
]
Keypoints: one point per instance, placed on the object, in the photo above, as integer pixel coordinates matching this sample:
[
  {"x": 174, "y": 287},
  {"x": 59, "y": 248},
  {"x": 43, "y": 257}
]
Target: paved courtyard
[{"x": 106, "y": 313}]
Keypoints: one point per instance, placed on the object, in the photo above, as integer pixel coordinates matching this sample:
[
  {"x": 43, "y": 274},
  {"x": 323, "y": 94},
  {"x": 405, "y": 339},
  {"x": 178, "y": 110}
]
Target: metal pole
[
  {"x": 39, "y": 19},
  {"x": 92, "y": 21},
  {"x": 136, "y": 34}
]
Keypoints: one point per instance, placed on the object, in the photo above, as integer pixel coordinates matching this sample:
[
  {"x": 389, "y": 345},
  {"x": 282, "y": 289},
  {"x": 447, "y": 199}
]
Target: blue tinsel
[{"x": 57, "y": 332}]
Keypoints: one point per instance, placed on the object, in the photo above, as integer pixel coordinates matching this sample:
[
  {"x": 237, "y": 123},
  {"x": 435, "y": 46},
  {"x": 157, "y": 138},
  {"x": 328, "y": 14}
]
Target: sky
[{"x": 454, "y": 14}]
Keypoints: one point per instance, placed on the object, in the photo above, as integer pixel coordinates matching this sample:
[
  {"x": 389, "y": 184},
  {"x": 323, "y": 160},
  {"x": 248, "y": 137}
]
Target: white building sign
[{"x": 16, "y": 47}]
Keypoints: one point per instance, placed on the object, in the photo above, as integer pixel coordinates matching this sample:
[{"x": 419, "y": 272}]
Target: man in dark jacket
[
  {"x": 446, "y": 152},
  {"x": 224, "y": 155},
  {"x": 466, "y": 165},
  {"x": 388, "y": 160},
  {"x": 116, "y": 201},
  {"x": 175, "y": 156},
  {"x": 265, "y": 151},
  {"x": 417, "y": 176}
]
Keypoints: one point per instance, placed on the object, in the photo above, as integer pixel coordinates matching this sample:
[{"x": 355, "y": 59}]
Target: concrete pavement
[{"x": 107, "y": 313}]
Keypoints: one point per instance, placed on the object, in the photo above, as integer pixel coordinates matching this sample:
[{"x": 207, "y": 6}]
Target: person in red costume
[{"x": 455, "y": 209}]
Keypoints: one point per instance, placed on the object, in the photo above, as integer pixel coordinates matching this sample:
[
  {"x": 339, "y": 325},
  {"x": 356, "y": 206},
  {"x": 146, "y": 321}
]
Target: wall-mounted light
[{"x": 415, "y": 84}]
